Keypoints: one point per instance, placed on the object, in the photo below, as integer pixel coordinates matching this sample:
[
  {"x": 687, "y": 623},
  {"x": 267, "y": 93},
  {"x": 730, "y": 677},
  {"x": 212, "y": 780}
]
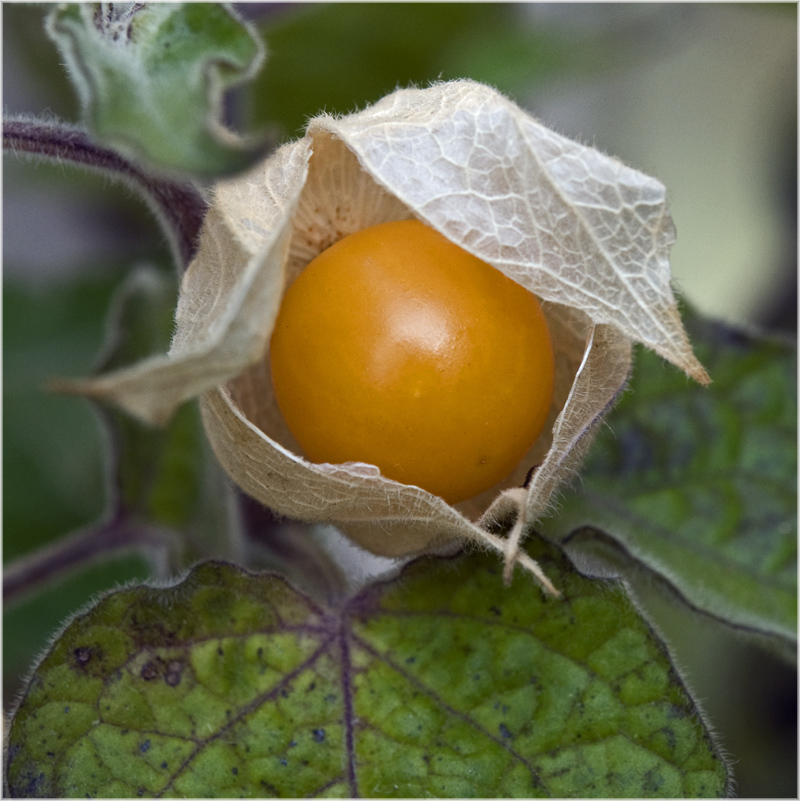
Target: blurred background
[{"x": 702, "y": 96}]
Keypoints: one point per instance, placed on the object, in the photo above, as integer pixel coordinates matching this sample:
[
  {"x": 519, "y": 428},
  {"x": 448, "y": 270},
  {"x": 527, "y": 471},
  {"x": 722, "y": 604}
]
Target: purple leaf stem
[
  {"x": 179, "y": 206},
  {"x": 106, "y": 539}
]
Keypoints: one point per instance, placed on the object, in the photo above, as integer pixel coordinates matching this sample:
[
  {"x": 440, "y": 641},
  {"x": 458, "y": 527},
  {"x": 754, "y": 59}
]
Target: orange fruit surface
[{"x": 398, "y": 348}]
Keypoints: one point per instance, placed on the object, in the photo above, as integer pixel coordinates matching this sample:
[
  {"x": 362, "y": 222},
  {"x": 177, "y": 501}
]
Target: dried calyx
[{"x": 585, "y": 234}]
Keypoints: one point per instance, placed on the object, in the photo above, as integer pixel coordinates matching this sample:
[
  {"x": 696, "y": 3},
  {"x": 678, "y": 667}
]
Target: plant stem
[
  {"x": 78, "y": 550},
  {"x": 179, "y": 206}
]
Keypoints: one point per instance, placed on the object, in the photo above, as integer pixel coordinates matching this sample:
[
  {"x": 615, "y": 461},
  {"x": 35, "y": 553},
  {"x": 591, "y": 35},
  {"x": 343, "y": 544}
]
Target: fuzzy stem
[
  {"x": 179, "y": 206},
  {"x": 80, "y": 549}
]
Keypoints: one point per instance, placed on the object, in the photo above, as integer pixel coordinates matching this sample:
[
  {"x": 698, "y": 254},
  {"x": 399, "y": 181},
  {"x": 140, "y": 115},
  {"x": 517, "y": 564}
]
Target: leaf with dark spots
[
  {"x": 83, "y": 655},
  {"x": 149, "y": 671},
  {"x": 443, "y": 682},
  {"x": 173, "y": 674}
]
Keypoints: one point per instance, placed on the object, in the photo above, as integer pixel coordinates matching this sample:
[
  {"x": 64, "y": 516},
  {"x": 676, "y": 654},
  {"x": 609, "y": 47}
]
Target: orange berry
[{"x": 398, "y": 348}]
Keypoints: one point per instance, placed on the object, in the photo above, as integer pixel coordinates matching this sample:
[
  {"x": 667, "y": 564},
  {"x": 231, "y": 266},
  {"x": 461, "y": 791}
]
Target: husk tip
[{"x": 696, "y": 371}]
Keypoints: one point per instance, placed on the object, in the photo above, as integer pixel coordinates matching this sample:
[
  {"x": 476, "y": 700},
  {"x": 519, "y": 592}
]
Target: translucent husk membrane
[{"x": 589, "y": 236}]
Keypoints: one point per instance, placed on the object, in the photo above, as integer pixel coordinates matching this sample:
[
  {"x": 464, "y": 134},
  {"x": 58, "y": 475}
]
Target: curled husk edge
[{"x": 589, "y": 236}]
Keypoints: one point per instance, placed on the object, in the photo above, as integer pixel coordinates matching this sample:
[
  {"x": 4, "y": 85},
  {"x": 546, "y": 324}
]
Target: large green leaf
[
  {"x": 151, "y": 78},
  {"x": 441, "y": 683},
  {"x": 700, "y": 485}
]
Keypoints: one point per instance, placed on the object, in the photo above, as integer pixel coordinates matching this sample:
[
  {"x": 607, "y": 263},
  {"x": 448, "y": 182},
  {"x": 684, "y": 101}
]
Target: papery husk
[
  {"x": 229, "y": 296},
  {"x": 589, "y": 236}
]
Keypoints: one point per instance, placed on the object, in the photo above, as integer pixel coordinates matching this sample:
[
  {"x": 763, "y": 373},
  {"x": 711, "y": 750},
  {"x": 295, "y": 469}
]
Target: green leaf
[
  {"x": 29, "y": 621},
  {"x": 699, "y": 484},
  {"x": 151, "y": 78},
  {"x": 441, "y": 683}
]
